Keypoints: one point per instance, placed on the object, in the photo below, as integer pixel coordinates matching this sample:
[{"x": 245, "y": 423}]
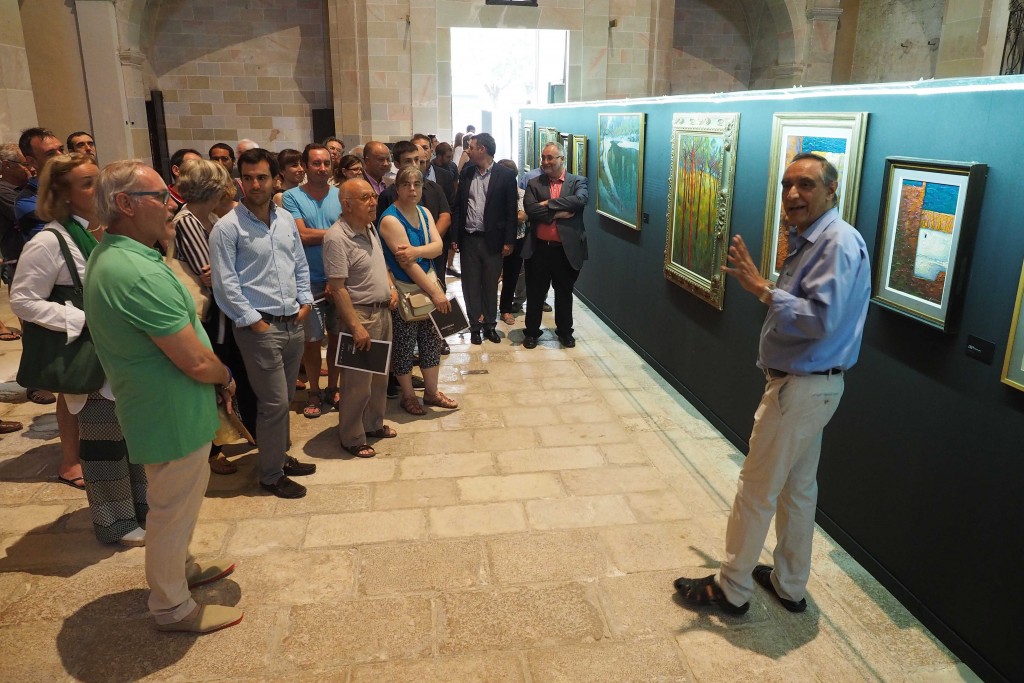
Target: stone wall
[
  {"x": 236, "y": 69},
  {"x": 893, "y": 39},
  {"x": 712, "y": 47},
  {"x": 17, "y": 108}
]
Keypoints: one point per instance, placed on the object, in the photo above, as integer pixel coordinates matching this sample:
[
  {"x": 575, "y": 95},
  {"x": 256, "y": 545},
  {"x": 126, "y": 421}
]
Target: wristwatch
[{"x": 766, "y": 293}]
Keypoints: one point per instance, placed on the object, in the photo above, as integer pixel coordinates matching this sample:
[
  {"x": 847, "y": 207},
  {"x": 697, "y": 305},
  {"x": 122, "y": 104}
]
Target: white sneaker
[{"x": 135, "y": 538}]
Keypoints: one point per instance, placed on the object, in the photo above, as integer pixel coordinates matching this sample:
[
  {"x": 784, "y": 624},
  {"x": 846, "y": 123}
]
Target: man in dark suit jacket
[
  {"x": 556, "y": 243},
  {"x": 485, "y": 233}
]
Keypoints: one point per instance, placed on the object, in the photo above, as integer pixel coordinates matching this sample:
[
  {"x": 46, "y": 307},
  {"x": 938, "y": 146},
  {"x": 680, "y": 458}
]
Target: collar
[
  {"x": 81, "y": 221},
  {"x": 812, "y": 233},
  {"x": 113, "y": 241},
  {"x": 352, "y": 232},
  {"x": 273, "y": 212},
  {"x": 486, "y": 170},
  {"x": 430, "y": 172},
  {"x": 174, "y": 193},
  {"x": 560, "y": 179}
]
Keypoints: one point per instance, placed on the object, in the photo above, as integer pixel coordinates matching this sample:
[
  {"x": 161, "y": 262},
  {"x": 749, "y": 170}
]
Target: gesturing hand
[{"x": 744, "y": 269}]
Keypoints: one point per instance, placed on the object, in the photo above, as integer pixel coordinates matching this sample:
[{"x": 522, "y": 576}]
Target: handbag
[
  {"x": 188, "y": 277},
  {"x": 414, "y": 304},
  {"x": 48, "y": 361}
]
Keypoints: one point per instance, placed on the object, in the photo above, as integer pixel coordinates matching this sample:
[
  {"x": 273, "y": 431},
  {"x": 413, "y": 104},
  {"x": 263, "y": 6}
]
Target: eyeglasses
[
  {"x": 365, "y": 198},
  {"x": 160, "y": 195},
  {"x": 548, "y": 157}
]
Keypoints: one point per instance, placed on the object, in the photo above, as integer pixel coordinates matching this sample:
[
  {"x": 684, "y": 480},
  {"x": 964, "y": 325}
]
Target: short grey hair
[
  {"x": 115, "y": 178},
  {"x": 200, "y": 180},
  {"x": 556, "y": 145},
  {"x": 9, "y": 151},
  {"x": 829, "y": 173}
]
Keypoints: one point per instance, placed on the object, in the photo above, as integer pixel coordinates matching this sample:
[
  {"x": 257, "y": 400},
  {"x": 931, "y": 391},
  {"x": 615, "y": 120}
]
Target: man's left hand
[
  {"x": 506, "y": 250},
  {"x": 304, "y": 310},
  {"x": 393, "y": 300},
  {"x": 744, "y": 269}
]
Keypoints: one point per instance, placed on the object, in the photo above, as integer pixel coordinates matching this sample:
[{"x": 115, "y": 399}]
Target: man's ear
[{"x": 124, "y": 203}]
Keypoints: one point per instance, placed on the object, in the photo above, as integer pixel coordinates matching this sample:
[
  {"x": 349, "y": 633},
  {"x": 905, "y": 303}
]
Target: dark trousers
[
  {"x": 441, "y": 265},
  {"x": 480, "y": 270},
  {"x": 229, "y": 354},
  {"x": 546, "y": 268},
  {"x": 510, "y": 267}
]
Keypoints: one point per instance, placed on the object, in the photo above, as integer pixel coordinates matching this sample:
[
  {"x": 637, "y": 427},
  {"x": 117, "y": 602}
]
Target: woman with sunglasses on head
[{"x": 116, "y": 489}]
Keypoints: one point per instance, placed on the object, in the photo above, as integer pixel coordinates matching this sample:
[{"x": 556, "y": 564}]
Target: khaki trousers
[
  {"x": 176, "y": 491},
  {"x": 364, "y": 397},
  {"x": 779, "y": 478}
]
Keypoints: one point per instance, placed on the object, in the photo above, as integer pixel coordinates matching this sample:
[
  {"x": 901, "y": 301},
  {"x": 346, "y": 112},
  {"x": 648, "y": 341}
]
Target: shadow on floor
[
  {"x": 36, "y": 464},
  {"x": 56, "y": 554},
  {"x": 113, "y": 638}
]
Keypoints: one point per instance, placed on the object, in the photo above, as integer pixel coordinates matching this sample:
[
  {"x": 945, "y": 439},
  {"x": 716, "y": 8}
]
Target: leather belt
[
  {"x": 551, "y": 243},
  {"x": 772, "y": 373},
  {"x": 278, "y": 318}
]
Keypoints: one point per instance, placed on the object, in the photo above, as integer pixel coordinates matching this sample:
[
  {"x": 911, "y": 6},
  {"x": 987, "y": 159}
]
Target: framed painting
[
  {"x": 1013, "y": 364},
  {"x": 620, "y": 167},
  {"x": 926, "y": 227},
  {"x": 700, "y": 202},
  {"x": 579, "y": 155},
  {"x": 544, "y": 136},
  {"x": 529, "y": 149},
  {"x": 839, "y": 137}
]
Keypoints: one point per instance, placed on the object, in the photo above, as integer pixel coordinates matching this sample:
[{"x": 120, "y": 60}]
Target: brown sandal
[
  {"x": 412, "y": 406},
  {"x": 363, "y": 451},
  {"x": 219, "y": 464},
  {"x": 384, "y": 432},
  {"x": 441, "y": 401}
]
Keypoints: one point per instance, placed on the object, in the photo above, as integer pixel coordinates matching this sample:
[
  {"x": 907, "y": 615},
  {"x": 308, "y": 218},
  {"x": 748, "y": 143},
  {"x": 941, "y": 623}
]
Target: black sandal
[
  {"x": 763, "y": 577},
  {"x": 706, "y": 592},
  {"x": 363, "y": 451}
]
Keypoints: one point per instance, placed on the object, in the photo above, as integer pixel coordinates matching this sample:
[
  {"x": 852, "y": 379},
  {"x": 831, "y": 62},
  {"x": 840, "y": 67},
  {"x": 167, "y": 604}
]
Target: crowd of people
[{"x": 223, "y": 286}]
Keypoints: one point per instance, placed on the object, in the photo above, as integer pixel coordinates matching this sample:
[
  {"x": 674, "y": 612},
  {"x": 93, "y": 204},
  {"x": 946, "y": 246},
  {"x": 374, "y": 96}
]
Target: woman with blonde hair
[
  {"x": 116, "y": 489},
  {"x": 208, "y": 192},
  {"x": 411, "y": 242}
]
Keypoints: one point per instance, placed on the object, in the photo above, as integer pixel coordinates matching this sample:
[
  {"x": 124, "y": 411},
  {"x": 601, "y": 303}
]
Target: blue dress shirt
[
  {"x": 816, "y": 318},
  {"x": 258, "y": 268}
]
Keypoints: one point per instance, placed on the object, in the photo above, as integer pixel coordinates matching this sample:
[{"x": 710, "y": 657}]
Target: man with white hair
[
  {"x": 244, "y": 145},
  {"x": 147, "y": 335}
]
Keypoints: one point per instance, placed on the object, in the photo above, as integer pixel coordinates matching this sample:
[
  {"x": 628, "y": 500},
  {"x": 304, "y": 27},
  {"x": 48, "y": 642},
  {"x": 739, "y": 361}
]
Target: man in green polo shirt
[{"x": 161, "y": 369}]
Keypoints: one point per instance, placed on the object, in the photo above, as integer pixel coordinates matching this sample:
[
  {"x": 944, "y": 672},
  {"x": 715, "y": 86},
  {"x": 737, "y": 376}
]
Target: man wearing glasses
[
  {"x": 158, "y": 361},
  {"x": 556, "y": 243},
  {"x": 261, "y": 282}
]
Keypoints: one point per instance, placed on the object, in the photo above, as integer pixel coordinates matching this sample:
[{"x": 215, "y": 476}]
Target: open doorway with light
[{"x": 495, "y": 71}]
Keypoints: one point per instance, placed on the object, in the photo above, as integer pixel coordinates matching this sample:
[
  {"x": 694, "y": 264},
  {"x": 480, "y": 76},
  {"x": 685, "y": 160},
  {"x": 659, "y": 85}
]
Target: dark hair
[
  {"x": 178, "y": 158},
  {"x": 331, "y": 138},
  {"x": 443, "y": 148},
  {"x": 510, "y": 165},
  {"x": 487, "y": 142},
  {"x": 251, "y": 157},
  {"x": 309, "y": 148},
  {"x": 401, "y": 148},
  {"x": 224, "y": 146},
  {"x": 287, "y": 157},
  {"x": 30, "y": 134},
  {"x": 471, "y": 128},
  {"x": 67, "y": 143},
  {"x": 349, "y": 159},
  {"x": 829, "y": 173},
  {"x": 417, "y": 136},
  {"x": 458, "y": 139}
]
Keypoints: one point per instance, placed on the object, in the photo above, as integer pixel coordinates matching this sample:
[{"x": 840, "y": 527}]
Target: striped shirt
[
  {"x": 258, "y": 269},
  {"x": 191, "y": 243}
]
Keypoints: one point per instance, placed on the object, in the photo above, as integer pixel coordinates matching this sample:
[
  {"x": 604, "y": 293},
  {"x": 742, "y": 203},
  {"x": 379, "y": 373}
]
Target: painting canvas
[
  {"x": 544, "y": 136},
  {"x": 925, "y": 234},
  {"x": 529, "y": 147},
  {"x": 700, "y": 204},
  {"x": 839, "y": 137},
  {"x": 579, "y": 155},
  {"x": 1013, "y": 363},
  {"x": 620, "y": 167}
]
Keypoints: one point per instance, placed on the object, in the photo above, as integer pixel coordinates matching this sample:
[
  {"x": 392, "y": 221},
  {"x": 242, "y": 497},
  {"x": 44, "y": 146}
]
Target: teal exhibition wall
[{"x": 922, "y": 465}]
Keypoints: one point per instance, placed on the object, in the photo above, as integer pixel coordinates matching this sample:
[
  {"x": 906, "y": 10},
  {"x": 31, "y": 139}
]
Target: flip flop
[
  {"x": 10, "y": 335},
  {"x": 313, "y": 407},
  {"x": 72, "y": 482},
  {"x": 508, "y": 319},
  {"x": 41, "y": 396},
  {"x": 9, "y": 426},
  {"x": 363, "y": 451},
  {"x": 384, "y": 432}
]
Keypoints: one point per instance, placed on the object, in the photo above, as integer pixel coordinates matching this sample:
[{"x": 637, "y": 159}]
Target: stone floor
[{"x": 532, "y": 535}]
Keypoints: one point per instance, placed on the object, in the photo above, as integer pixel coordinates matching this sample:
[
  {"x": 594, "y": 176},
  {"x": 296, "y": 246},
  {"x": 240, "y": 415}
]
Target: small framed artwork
[
  {"x": 544, "y": 136},
  {"x": 700, "y": 202},
  {"x": 839, "y": 137},
  {"x": 579, "y": 155},
  {"x": 620, "y": 167},
  {"x": 529, "y": 150},
  {"x": 1013, "y": 364},
  {"x": 926, "y": 228}
]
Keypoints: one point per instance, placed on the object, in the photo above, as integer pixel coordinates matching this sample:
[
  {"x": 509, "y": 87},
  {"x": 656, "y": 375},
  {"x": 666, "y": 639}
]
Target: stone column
[
  {"x": 820, "y": 46},
  {"x": 967, "y": 47},
  {"x": 17, "y": 106}
]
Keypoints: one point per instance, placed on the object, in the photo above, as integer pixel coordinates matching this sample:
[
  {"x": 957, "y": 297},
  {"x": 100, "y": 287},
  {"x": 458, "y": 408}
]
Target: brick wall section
[
  {"x": 236, "y": 69},
  {"x": 712, "y": 47}
]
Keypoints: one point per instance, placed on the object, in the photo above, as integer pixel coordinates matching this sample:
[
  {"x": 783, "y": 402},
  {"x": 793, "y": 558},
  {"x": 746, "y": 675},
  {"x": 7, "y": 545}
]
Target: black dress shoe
[
  {"x": 474, "y": 338},
  {"x": 418, "y": 383},
  {"x": 567, "y": 340},
  {"x": 529, "y": 342},
  {"x": 452, "y": 272},
  {"x": 546, "y": 307},
  {"x": 492, "y": 336},
  {"x": 294, "y": 468},
  {"x": 517, "y": 308},
  {"x": 445, "y": 349},
  {"x": 285, "y": 488},
  {"x": 394, "y": 391}
]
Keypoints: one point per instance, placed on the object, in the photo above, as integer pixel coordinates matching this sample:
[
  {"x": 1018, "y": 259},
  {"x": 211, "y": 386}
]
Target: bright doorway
[{"x": 495, "y": 71}]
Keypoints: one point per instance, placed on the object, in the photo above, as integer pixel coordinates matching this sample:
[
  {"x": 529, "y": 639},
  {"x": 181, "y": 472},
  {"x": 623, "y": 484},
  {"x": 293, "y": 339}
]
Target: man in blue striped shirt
[
  {"x": 810, "y": 338},
  {"x": 261, "y": 282}
]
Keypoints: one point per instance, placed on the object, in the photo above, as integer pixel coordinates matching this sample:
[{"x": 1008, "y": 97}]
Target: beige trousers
[
  {"x": 364, "y": 394},
  {"x": 176, "y": 491}
]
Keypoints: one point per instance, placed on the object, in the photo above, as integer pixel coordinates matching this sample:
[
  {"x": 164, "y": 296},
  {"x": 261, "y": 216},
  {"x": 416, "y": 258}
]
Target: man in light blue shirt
[
  {"x": 261, "y": 282},
  {"x": 316, "y": 206},
  {"x": 810, "y": 337}
]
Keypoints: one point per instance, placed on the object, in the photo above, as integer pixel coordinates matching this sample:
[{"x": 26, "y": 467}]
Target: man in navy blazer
[
  {"x": 485, "y": 233},
  {"x": 556, "y": 243}
]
